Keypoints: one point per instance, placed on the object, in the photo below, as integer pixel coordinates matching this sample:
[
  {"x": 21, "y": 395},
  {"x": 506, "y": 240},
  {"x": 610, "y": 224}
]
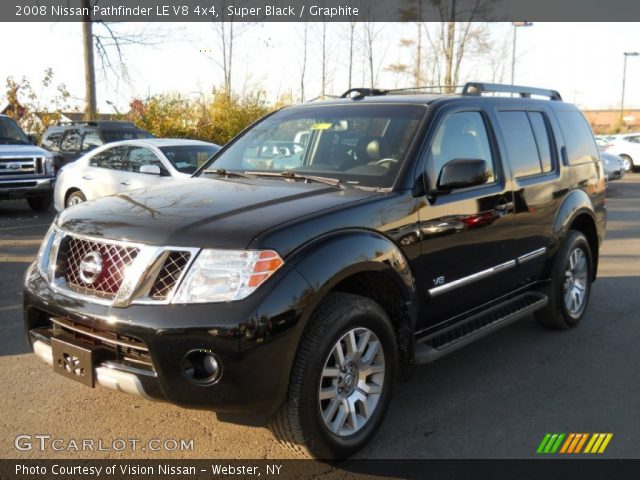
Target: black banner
[
  {"x": 295, "y": 469},
  {"x": 317, "y": 10}
]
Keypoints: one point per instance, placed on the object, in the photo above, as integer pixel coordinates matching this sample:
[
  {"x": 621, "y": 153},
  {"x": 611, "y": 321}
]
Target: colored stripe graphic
[{"x": 573, "y": 443}]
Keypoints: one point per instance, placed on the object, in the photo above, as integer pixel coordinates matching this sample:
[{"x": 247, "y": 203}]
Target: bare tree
[
  {"x": 303, "y": 63},
  {"x": 89, "y": 68},
  {"x": 453, "y": 41},
  {"x": 324, "y": 59},
  {"x": 352, "y": 30},
  {"x": 371, "y": 35}
]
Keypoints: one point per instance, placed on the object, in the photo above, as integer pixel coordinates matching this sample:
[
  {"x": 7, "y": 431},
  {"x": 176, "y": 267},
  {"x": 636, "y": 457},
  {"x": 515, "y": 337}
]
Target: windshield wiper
[
  {"x": 226, "y": 173},
  {"x": 288, "y": 174}
]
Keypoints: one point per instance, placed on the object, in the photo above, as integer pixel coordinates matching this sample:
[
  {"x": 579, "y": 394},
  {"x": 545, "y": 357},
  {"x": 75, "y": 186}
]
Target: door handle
[
  {"x": 87, "y": 177},
  {"x": 125, "y": 182}
]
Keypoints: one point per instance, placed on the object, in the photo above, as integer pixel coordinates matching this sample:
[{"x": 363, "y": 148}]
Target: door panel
[{"x": 467, "y": 235}]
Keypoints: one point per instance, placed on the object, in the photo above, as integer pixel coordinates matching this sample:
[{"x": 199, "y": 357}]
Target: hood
[
  {"x": 203, "y": 212},
  {"x": 22, "y": 151}
]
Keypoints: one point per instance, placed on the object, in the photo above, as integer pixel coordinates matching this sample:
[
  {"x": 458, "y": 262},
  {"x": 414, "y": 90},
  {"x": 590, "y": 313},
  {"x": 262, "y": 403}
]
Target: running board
[{"x": 451, "y": 338}]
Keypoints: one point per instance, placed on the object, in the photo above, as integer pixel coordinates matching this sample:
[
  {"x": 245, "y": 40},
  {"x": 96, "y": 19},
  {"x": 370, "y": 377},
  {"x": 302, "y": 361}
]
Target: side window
[
  {"x": 541, "y": 133},
  {"x": 139, "y": 156},
  {"x": 461, "y": 135},
  {"x": 91, "y": 140},
  {"x": 112, "y": 158},
  {"x": 71, "y": 141},
  {"x": 52, "y": 141},
  {"x": 522, "y": 148},
  {"x": 581, "y": 147}
]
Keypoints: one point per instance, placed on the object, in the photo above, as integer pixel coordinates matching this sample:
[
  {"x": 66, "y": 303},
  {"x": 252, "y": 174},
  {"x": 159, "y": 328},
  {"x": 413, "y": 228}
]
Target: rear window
[{"x": 581, "y": 147}]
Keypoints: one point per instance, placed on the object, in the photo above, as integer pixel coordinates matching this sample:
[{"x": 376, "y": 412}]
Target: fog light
[{"x": 201, "y": 367}]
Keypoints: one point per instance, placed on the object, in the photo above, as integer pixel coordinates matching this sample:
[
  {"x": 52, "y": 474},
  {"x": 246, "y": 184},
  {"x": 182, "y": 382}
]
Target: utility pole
[
  {"x": 89, "y": 69},
  {"x": 513, "y": 54},
  {"x": 624, "y": 79}
]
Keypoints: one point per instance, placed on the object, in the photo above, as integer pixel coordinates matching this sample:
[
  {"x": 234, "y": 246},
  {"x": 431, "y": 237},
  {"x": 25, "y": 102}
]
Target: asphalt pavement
[{"x": 496, "y": 398}]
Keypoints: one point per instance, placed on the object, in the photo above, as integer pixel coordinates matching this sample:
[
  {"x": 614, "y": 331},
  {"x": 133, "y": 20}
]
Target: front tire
[
  {"x": 74, "y": 199},
  {"x": 627, "y": 163},
  {"x": 40, "y": 204},
  {"x": 570, "y": 287},
  {"x": 341, "y": 380}
]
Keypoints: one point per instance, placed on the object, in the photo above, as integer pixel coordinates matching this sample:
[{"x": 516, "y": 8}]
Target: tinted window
[
  {"x": 139, "y": 156},
  {"x": 71, "y": 141},
  {"x": 112, "y": 158},
  {"x": 91, "y": 140},
  {"x": 461, "y": 135},
  {"x": 117, "y": 135},
  {"x": 10, "y": 132},
  {"x": 521, "y": 144},
  {"x": 187, "y": 158},
  {"x": 52, "y": 141},
  {"x": 541, "y": 133},
  {"x": 581, "y": 146}
]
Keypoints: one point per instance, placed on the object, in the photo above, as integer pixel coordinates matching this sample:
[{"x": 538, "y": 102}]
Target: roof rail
[
  {"x": 363, "y": 92},
  {"x": 477, "y": 89}
]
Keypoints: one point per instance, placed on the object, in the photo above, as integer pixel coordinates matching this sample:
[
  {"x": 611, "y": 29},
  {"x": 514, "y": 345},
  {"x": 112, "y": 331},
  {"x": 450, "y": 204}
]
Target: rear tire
[
  {"x": 74, "y": 199},
  {"x": 40, "y": 204},
  {"x": 337, "y": 401},
  {"x": 570, "y": 286}
]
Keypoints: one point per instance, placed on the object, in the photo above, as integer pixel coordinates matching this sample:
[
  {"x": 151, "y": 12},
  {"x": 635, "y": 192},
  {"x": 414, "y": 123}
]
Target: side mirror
[
  {"x": 150, "y": 169},
  {"x": 462, "y": 173},
  {"x": 33, "y": 138}
]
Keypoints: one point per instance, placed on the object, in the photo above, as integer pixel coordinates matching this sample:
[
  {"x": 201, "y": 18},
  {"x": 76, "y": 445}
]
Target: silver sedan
[{"x": 122, "y": 166}]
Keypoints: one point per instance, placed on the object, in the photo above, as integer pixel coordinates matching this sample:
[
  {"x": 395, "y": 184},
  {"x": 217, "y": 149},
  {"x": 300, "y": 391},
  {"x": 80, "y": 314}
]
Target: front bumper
[
  {"x": 26, "y": 187},
  {"x": 255, "y": 340}
]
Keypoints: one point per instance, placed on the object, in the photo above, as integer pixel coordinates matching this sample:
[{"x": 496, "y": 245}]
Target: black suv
[
  {"x": 294, "y": 284},
  {"x": 71, "y": 140}
]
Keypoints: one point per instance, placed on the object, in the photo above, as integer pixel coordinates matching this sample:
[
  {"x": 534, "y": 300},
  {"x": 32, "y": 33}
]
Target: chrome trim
[
  {"x": 531, "y": 255},
  {"x": 138, "y": 278},
  {"x": 106, "y": 375},
  {"x": 128, "y": 368},
  {"x": 97, "y": 336},
  {"x": 471, "y": 278}
]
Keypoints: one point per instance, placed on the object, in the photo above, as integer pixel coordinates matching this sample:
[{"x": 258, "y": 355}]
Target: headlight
[
  {"x": 48, "y": 253},
  {"x": 49, "y": 167},
  {"x": 226, "y": 275}
]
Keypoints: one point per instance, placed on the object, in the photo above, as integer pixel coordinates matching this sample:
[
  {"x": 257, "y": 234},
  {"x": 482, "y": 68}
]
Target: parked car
[
  {"x": 406, "y": 227},
  {"x": 26, "y": 171},
  {"x": 626, "y": 147},
  {"x": 614, "y": 167},
  {"x": 122, "y": 166},
  {"x": 70, "y": 140}
]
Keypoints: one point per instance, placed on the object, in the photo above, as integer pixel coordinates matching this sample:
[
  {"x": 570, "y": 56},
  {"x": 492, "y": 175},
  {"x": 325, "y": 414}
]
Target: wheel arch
[{"x": 577, "y": 213}]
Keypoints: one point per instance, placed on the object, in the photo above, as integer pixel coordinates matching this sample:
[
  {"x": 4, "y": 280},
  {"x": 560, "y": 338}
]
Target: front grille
[
  {"x": 10, "y": 167},
  {"x": 115, "y": 260},
  {"x": 125, "y": 348},
  {"x": 18, "y": 184},
  {"x": 169, "y": 274}
]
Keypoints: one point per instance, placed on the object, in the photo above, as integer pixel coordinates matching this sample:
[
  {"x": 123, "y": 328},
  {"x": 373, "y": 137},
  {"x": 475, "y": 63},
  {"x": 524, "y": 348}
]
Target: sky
[{"x": 583, "y": 61}]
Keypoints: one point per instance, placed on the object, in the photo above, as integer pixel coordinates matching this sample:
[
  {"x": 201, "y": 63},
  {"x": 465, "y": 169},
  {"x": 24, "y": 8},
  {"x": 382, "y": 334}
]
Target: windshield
[
  {"x": 362, "y": 145},
  {"x": 11, "y": 133},
  {"x": 188, "y": 158},
  {"x": 117, "y": 135}
]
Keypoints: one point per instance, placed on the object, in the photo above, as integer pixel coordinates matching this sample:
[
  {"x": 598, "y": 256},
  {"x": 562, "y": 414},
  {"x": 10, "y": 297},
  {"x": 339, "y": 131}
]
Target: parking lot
[{"x": 493, "y": 399}]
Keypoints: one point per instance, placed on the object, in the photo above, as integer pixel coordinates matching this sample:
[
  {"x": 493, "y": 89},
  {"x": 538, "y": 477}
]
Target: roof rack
[
  {"x": 477, "y": 89},
  {"x": 363, "y": 92}
]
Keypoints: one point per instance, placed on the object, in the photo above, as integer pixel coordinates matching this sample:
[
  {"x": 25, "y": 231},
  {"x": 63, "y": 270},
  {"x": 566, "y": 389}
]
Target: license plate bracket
[{"x": 74, "y": 361}]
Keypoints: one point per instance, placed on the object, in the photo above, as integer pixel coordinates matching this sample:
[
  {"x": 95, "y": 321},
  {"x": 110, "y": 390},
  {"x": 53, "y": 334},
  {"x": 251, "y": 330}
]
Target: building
[{"x": 608, "y": 121}]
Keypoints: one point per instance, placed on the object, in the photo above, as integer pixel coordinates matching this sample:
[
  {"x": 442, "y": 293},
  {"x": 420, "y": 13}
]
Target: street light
[
  {"x": 624, "y": 79},
  {"x": 513, "y": 55}
]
